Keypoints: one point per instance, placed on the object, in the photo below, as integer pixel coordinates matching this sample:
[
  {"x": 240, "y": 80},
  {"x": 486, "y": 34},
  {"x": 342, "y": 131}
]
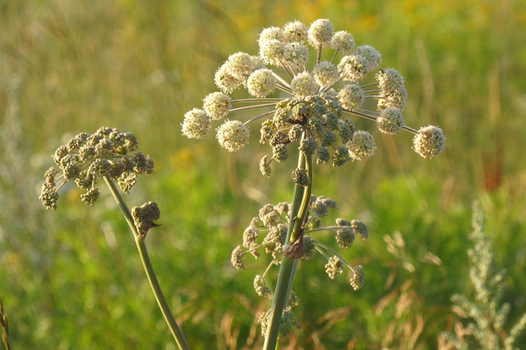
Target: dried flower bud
[{"x": 144, "y": 217}]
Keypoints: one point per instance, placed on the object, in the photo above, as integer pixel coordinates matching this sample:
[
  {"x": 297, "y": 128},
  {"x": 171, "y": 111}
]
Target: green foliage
[
  {"x": 487, "y": 314},
  {"x": 72, "y": 279}
]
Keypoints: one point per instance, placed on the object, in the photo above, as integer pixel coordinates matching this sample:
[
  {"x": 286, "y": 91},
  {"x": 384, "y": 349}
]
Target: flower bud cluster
[
  {"x": 273, "y": 223},
  {"x": 86, "y": 158},
  {"x": 309, "y": 101}
]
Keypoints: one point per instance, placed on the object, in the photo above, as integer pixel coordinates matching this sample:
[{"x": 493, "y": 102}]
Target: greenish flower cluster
[
  {"x": 86, "y": 158},
  {"x": 316, "y": 101}
]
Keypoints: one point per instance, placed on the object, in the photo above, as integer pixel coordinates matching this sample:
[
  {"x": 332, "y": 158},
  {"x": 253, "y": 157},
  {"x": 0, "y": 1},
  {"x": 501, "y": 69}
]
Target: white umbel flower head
[
  {"x": 241, "y": 65},
  {"x": 296, "y": 55},
  {"x": 353, "y": 67},
  {"x": 233, "y": 135},
  {"x": 296, "y": 32},
  {"x": 225, "y": 81},
  {"x": 390, "y": 121},
  {"x": 373, "y": 56},
  {"x": 261, "y": 83},
  {"x": 351, "y": 96},
  {"x": 271, "y": 51},
  {"x": 217, "y": 105},
  {"x": 196, "y": 124},
  {"x": 362, "y": 145},
  {"x": 325, "y": 73},
  {"x": 321, "y": 32},
  {"x": 271, "y": 33},
  {"x": 429, "y": 142},
  {"x": 304, "y": 85},
  {"x": 342, "y": 41}
]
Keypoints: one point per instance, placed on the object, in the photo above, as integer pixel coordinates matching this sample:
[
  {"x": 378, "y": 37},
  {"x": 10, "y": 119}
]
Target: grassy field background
[{"x": 72, "y": 279}]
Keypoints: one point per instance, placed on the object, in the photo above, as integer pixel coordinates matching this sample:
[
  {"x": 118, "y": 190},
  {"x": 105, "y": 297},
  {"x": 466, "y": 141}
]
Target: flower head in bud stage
[
  {"x": 300, "y": 96},
  {"x": 272, "y": 225},
  {"x": 87, "y": 158}
]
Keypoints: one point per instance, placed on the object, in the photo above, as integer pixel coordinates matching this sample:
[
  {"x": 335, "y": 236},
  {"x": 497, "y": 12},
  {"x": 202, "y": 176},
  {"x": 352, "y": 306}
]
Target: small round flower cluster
[
  {"x": 86, "y": 158},
  {"x": 310, "y": 104},
  {"x": 273, "y": 221}
]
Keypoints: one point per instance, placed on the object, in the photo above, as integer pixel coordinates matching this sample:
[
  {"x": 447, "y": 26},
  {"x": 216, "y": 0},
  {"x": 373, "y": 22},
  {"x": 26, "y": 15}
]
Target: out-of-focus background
[{"x": 71, "y": 279}]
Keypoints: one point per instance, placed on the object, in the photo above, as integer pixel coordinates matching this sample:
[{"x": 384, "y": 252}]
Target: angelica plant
[
  {"x": 111, "y": 156},
  {"x": 300, "y": 100}
]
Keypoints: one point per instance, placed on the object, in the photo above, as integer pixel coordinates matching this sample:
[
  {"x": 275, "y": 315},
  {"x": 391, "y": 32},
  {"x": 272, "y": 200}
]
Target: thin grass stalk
[{"x": 148, "y": 268}]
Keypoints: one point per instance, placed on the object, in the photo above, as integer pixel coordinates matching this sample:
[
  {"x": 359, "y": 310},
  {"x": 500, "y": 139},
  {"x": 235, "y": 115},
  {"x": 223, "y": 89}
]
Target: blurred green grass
[{"x": 71, "y": 279}]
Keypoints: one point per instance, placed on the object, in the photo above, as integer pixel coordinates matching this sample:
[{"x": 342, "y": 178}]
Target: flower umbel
[
  {"x": 317, "y": 102},
  {"x": 86, "y": 158}
]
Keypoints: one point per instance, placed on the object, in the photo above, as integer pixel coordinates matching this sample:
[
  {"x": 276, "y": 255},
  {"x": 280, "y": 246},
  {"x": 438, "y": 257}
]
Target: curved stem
[
  {"x": 287, "y": 271},
  {"x": 148, "y": 268}
]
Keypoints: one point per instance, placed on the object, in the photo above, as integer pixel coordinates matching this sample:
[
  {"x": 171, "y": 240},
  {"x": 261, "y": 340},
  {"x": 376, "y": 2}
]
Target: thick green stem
[
  {"x": 288, "y": 266},
  {"x": 148, "y": 268}
]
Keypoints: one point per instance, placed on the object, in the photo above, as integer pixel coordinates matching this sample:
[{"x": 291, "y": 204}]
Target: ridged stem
[
  {"x": 148, "y": 268},
  {"x": 288, "y": 266}
]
